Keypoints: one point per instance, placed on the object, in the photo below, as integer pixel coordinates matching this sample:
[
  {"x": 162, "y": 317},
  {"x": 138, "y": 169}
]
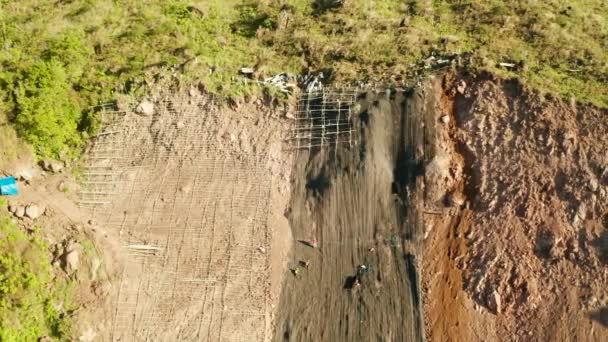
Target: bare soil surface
[
  {"x": 359, "y": 204},
  {"x": 64, "y": 226},
  {"x": 187, "y": 190},
  {"x": 479, "y": 209},
  {"x": 527, "y": 260}
]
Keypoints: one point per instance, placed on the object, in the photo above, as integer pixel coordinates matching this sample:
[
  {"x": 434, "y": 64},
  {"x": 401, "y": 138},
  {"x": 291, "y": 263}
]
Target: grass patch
[
  {"x": 60, "y": 58},
  {"x": 32, "y": 303}
]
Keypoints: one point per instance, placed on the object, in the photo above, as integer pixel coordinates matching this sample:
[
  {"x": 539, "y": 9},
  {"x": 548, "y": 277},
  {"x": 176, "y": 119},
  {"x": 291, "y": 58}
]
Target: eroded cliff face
[
  {"x": 361, "y": 203},
  {"x": 519, "y": 249}
]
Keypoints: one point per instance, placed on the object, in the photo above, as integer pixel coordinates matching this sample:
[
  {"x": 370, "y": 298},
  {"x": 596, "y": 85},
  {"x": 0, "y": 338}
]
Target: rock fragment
[
  {"x": 145, "y": 107},
  {"x": 71, "y": 257},
  {"x": 72, "y": 260},
  {"x": 25, "y": 174},
  {"x": 462, "y": 86},
  {"x": 88, "y": 336},
  {"x": 51, "y": 165},
  {"x": 494, "y": 302},
  {"x": 19, "y": 212},
  {"x": 33, "y": 211}
]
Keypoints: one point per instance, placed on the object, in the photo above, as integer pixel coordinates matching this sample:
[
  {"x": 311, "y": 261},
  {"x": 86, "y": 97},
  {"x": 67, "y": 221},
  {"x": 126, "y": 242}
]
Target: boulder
[
  {"x": 33, "y": 211},
  {"x": 445, "y": 119},
  {"x": 51, "y": 165},
  {"x": 20, "y": 211},
  {"x": 145, "y": 107},
  {"x": 25, "y": 174},
  {"x": 71, "y": 260}
]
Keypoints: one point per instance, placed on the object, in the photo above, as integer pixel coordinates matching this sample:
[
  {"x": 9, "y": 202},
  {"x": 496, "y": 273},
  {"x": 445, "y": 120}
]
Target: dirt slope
[
  {"x": 194, "y": 191},
  {"x": 359, "y": 204},
  {"x": 530, "y": 255}
]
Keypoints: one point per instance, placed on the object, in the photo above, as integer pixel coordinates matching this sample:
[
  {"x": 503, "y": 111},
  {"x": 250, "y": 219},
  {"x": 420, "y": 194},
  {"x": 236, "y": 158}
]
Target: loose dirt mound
[
  {"x": 359, "y": 204},
  {"x": 532, "y": 250}
]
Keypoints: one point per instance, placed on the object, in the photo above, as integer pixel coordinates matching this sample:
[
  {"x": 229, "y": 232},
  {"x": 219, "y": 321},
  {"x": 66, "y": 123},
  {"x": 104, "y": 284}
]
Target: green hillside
[{"x": 60, "y": 58}]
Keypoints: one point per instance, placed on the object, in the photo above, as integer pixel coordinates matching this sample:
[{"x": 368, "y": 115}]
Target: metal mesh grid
[
  {"x": 324, "y": 119},
  {"x": 192, "y": 220}
]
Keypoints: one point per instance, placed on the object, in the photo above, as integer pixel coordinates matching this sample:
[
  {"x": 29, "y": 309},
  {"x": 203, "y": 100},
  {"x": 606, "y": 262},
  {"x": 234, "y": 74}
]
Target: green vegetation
[
  {"x": 60, "y": 58},
  {"x": 32, "y": 303}
]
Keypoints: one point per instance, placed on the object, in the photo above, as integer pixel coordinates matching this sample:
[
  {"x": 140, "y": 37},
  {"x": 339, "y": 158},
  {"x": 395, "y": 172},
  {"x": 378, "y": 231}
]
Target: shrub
[
  {"x": 28, "y": 303},
  {"x": 47, "y": 115}
]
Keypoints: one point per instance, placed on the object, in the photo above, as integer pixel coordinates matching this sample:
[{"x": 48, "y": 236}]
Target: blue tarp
[{"x": 8, "y": 186}]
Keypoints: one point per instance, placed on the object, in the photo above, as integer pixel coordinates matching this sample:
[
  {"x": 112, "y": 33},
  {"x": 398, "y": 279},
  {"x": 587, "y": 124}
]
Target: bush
[
  {"x": 29, "y": 305},
  {"x": 47, "y": 115}
]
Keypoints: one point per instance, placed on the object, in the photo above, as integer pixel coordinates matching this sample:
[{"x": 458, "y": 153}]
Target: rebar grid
[
  {"x": 203, "y": 216},
  {"x": 324, "y": 119}
]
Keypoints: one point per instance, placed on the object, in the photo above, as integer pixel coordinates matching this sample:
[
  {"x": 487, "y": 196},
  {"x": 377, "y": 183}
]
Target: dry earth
[
  {"x": 194, "y": 196},
  {"x": 357, "y": 198},
  {"x": 188, "y": 204},
  {"x": 529, "y": 253}
]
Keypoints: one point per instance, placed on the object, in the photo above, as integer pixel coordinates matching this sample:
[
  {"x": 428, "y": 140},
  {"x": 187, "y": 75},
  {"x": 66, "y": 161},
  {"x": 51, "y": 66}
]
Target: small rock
[
  {"x": 91, "y": 222},
  {"x": 593, "y": 184},
  {"x": 457, "y": 199},
  {"x": 582, "y": 211},
  {"x": 88, "y": 336},
  {"x": 445, "y": 119},
  {"x": 33, "y": 211},
  {"x": 247, "y": 71},
  {"x": 145, "y": 107},
  {"x": 51, "y": 165},
  {"x": 95, "y": 265},
  {"x": 61, "y": 186},
  {"x": 494, "y": 302},
  {"x": 180, "y": 125},
  {"x": 20, "y": 212},
  {"x": 192, "y": 92},
  {"x": 25, "y": 174},
  {"x": 462, "y": 86},
  {"x": 262, "y": 250},
  {"x": 72, "y": 260}
]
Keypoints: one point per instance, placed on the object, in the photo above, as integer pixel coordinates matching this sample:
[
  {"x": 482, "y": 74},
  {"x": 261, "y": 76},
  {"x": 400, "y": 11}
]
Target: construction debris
[
  {"x": 281, "y": 81},
  {"x": 8, "y": 186},
  {"x": 312, "y": 82},
  {"x": 144, "y": 247},
  {"x": 507, "y": 65},
  {"x": 247, "y": 71}
]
